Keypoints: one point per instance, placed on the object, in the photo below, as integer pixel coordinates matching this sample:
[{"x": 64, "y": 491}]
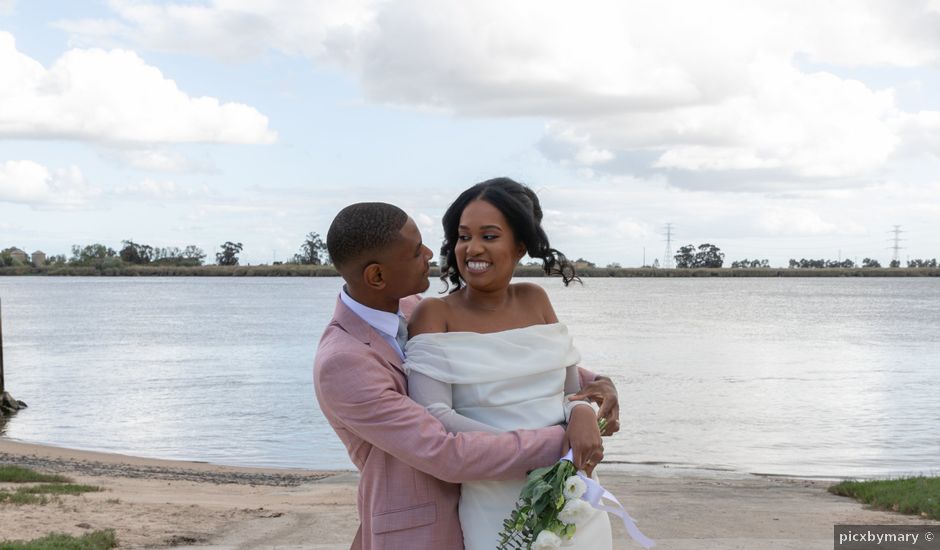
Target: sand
[{"x": 158, "y": 504}]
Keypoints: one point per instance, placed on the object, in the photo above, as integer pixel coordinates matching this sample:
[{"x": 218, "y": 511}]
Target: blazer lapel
[{"x": 363, "y": 331}]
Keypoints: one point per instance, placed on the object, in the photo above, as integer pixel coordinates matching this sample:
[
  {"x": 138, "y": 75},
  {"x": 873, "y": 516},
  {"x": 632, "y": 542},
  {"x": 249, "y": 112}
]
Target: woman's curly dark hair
[{"x": 521, "y": 207}]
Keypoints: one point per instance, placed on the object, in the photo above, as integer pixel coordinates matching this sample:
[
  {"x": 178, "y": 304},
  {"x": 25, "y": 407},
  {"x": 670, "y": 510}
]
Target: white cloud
[
  {"x": 28, "y": 182},
  {"x": 113, "y": 96},
  {"x": 158, "y": 160},
  {"x": 231, "y": 29},
  {"x": 163, "y": 190},
  {"x": 777, "y": 221},
  {"x": 627, "y": 87}
]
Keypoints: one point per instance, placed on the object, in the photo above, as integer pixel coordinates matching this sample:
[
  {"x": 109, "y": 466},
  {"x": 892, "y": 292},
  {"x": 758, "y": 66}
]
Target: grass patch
[
  {"x": 19, "y": 498},
  {"x": 98, "y": 540},
  {"x": 37, "y": 494},
  {"x": 16, "y": 474},
  {"x": 911, "y": 495},
  {"x": 58, "y": 489}
]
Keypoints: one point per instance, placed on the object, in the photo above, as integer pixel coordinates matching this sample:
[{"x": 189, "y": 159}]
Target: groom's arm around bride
[{"x": 409, "y": 463}]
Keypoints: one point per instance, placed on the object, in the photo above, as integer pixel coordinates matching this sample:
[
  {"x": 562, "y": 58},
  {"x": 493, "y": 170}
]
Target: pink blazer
[{"x": 410, "y": 466}]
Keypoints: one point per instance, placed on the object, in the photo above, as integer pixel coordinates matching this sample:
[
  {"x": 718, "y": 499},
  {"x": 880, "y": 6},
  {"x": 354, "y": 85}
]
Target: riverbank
[
  {"x": 156, "y": 503},
  {"x": 293, "y": 270}
]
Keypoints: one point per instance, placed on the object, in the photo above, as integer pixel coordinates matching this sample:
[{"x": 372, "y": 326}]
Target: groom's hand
[{"x": 602, "y": 392}]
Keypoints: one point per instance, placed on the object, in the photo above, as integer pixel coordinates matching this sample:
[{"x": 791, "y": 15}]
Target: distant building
[
  {"x": 17, "y": 254},
  {"x": 39, "y": 258}
]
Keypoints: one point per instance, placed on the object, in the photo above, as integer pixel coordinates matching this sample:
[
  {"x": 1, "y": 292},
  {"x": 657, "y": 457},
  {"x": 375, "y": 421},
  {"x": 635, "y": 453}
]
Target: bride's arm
[
  {"x": 572, "y": 387},
  {"x": 437, "y": 397}
]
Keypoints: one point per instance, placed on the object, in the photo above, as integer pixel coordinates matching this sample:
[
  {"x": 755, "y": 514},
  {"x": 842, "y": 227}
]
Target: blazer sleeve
[
  {"x": 586, "y": 376},
  {"x": 363, "y": 397}
]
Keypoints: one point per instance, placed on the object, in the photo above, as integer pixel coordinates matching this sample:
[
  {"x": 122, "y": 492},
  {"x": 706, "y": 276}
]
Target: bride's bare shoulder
[
  {"x": 429, "y": 316},
  {"x": 534, "y": 298}
]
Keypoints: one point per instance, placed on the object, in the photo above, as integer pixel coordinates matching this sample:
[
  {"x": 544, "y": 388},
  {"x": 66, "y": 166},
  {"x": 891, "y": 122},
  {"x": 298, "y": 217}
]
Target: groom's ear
[{"x": 373, "y": 276}]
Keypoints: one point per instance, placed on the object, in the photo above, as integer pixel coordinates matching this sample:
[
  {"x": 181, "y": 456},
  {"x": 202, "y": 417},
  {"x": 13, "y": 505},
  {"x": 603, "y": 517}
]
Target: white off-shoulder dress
[{"x": 501, "y": 381}]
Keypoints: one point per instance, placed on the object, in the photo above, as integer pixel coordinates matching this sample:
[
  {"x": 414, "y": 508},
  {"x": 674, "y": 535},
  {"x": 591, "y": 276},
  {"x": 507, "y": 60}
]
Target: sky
[{"x": 773, "y": 129}]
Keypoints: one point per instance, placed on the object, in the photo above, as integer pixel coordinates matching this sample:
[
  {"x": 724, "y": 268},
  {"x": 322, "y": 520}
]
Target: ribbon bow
[{"x": 594, "y": 495}]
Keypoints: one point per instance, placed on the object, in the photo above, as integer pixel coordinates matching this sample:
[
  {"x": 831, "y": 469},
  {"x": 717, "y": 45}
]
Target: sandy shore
[{"x": 158, "y": 504}]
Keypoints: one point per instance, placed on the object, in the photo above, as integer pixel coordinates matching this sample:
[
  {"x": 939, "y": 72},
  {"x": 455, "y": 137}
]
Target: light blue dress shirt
[{"x": 385, "y": 323}]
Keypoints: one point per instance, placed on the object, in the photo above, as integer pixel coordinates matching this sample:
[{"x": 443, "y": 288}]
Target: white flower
[
  {"x": 574, "y": 487},
  {"x": 576, "y": 511},
  {"x": 546, "y": 541}
]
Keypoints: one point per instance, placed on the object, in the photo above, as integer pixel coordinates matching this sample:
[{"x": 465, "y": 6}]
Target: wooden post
[
  {"x": 7, "y": 403},
  {"x": 2, "y": 386}
]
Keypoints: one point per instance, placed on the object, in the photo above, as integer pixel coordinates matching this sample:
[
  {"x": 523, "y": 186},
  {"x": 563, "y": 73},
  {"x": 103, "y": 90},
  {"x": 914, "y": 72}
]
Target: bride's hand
[{"x": 584, "y": 438}]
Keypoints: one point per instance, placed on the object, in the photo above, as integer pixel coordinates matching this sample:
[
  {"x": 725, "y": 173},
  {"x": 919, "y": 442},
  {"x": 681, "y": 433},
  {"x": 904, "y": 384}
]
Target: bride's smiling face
[{"x": 486, "y": 249}]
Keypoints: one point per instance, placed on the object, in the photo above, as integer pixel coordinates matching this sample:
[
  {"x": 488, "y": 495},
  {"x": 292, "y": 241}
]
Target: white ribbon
[{"x": 593, "y": 495}]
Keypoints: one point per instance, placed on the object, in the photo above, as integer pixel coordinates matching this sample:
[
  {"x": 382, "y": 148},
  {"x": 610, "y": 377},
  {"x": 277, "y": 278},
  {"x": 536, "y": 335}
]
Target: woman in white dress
[{"x": 492, "y": 356}]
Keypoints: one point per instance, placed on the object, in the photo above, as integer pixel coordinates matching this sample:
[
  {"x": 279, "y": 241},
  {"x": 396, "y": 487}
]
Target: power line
[
  {"x": 896, "y": 247},
  {"x": 667, "y": 256}
]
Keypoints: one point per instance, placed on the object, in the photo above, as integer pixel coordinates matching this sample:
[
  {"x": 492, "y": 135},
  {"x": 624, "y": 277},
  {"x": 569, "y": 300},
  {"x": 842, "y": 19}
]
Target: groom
[{"x": 410, "y": 466}]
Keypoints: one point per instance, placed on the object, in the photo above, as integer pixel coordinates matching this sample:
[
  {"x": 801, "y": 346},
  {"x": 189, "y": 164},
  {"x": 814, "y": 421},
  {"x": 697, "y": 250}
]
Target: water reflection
[{"x": 790, "y": 376}]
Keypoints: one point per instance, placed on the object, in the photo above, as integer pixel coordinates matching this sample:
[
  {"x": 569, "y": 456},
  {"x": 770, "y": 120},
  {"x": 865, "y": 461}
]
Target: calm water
[{"x": 830, "y": 377}]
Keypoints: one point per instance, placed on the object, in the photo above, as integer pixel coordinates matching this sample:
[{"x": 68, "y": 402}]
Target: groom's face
[{"x": 405, "y": 269}]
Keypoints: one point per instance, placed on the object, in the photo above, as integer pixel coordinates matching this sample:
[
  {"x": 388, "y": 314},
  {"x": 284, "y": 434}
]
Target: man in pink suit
[{"x": 410, "y": 465}]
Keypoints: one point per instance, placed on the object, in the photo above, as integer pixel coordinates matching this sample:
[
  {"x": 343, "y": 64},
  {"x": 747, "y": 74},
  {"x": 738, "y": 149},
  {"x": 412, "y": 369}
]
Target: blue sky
[{"x": 775, "y": 129}]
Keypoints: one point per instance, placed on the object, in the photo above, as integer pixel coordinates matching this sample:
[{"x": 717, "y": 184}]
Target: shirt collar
[{"x": 382, "y": 321}]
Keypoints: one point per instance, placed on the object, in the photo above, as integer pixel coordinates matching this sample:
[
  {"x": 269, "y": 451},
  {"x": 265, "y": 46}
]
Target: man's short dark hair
[{"x": 361, "y": 229}]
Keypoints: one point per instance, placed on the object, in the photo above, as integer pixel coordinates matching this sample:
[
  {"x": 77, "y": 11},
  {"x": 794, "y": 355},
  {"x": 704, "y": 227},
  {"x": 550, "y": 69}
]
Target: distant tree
[
  {"x": 167, "y": 255},
  {"x": 193, "y": 255},
  {"x": 57, "y": 259},
  {"x": 172, "y": 255},
  {"x": 229, "y": 254},
  {"x": 6, "y": 259},
  {"x": 312, "y": 251},
  {"x": 134, "y": 253},
  {"x": 751, "y": 263},
  {"x": 894, "y": 263},
  {"x": 613, "y": 265},
  {"x": 707, "y": 255},
  {"x": 922, "y": 263},
  {"x": 581, "y": 262},
  {"x": 685, "y": 256},
  {"x": 656, "y": 263},
  {"x": 819, "y": 264},
  {"x": 868, "y": 262},
  {"x": 92, "y": 254}
]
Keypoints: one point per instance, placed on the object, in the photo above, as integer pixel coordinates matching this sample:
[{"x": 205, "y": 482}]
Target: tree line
[
  {"x": 312, "y": 252},
  {"x": 709, "y": 255}
]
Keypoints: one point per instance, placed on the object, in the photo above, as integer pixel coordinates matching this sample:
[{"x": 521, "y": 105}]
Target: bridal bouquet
[{"x": 549, "y": 509}]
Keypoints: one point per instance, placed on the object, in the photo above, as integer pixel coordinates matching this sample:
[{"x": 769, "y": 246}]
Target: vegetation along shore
[
  {"x": 301, "y": 270},
  {"x": 312, "y": 260}
]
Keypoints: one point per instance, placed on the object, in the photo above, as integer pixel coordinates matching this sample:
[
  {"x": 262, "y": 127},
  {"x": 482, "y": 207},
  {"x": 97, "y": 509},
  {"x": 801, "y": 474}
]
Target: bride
[{"x": 492, "y": 356}]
